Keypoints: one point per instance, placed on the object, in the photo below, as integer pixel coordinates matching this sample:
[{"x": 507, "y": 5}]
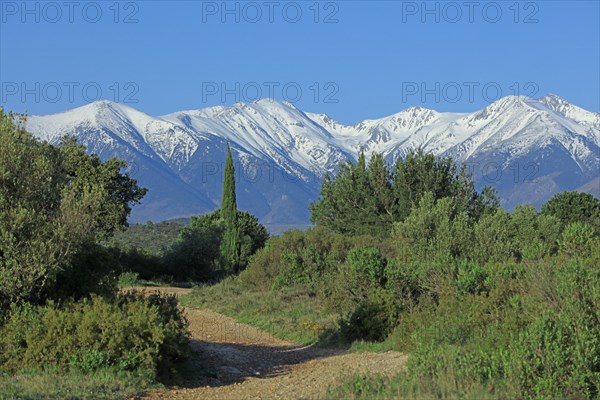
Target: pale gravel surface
[{"x": 237, "y": 361}]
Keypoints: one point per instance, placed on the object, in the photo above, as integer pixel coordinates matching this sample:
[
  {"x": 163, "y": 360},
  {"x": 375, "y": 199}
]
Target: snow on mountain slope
[
  {"x": 289, "y": 150},
  {"x": 268, "y": 130},
  {"x": 570, "y": 111}
]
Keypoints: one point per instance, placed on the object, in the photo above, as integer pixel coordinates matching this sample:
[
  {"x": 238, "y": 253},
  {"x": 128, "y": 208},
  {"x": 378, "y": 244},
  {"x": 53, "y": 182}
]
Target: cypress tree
[{"x": 231, "y": 240}]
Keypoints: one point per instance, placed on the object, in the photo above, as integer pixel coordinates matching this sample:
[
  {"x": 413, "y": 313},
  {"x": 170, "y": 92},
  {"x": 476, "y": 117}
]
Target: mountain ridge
[{"x": 537, "y": 147}]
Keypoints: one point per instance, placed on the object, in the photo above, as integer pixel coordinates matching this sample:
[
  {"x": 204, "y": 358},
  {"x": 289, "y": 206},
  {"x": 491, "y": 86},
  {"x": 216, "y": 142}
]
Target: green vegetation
[
  {"x": 149, "y": 238},
  {"x": 488, "y": 304},
  {"x": 210, "y": 247},
  {"x": 47, "y": 384},
  {"x": 128, "y": 279},
  {"x": 64, "y": 330},
  {"x": 369, "y": 199},
  {"x": 572, "y": 207},
  {"x": 198, "y": 253},
  {"x": 55, "y": 203},
  {"x": 231, "y": 237},
  {"x": 145, "y": 335}
]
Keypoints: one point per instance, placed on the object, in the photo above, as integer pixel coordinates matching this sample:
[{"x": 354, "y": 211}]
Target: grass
[
  {"x": 373, "y": 347},
  {"x": 405, "y": 386},
  {"x": 103, "y": 384},
  {"x": 130, "y": 279},
  {"x": 158, "y": 283},
  {"x": 289, "y": 314}
]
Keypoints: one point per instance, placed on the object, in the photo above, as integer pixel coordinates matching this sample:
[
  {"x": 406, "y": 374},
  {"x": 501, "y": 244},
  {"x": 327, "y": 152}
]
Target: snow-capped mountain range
[{"x": 528, "y": 149}]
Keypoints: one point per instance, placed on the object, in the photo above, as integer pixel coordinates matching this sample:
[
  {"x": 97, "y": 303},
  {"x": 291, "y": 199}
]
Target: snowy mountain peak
[
  {"x": 568, "y": 110},
  {"x": 291, "y": 149}
]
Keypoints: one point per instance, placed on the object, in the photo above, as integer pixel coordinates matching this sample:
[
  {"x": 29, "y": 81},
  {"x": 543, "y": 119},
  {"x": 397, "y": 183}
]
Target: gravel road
[{"x": 231, "y": 360}]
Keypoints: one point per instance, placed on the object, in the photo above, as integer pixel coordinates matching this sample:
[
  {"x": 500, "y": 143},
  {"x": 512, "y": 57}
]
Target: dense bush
[
  {"x": 439, "y": 231},
  {"x": 578, "y": 239},
  {"x": 94, "y": 270},
  {"x": 367, "y": 264},
  {"x": 54, "y": 202},
  {"x": 531, "y": 333},
  {"x": 147, "y": 335},
  {"x": 571, "y": 207},
  {"x": 372, "y": 319},
  {"x": 149, "y": 238},
  {"x": 504, "y": 305},
  {"x": 434, "y": 230},
  {"x": 367, "y": 198},
  {"x": 197, "y": 254}
]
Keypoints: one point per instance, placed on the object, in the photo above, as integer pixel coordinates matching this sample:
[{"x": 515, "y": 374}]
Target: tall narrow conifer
[{"x": 231, "y": 240}]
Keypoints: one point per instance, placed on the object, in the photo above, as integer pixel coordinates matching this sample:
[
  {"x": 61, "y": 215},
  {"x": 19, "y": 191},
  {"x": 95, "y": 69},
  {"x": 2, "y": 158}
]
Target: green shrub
[
  {"x": 435, "y": 230},
  {"x": 572, "y": 207},
  {"x": 532, "y": 333},
  {"x": 578, "y": 240},
  {"x": 197, "y": 253},
  {"x": 367, "y": 263},
  {"x": 301, "y": 268},
  {"x": 372, "y": 319},
  {"x": 128, "y": 279},
  {"x": 558, "y": 355},
  {"x": 265, "y": 265},
  {"x": 471, "y": 278},
  {"x": 147, "y": 335}
]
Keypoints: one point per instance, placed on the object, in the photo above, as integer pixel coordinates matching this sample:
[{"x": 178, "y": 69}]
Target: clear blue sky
[{"x": 371, "y": 59}]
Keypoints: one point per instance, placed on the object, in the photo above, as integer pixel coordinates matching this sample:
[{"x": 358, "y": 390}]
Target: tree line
[{"x": 367, "y": 198}]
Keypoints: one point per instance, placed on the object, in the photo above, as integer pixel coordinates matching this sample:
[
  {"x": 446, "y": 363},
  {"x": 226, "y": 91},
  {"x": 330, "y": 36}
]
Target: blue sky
[{"x": 351, "y": 59}]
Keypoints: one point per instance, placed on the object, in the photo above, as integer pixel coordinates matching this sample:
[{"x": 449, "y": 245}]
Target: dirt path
[{"x": 231, "y": 360}]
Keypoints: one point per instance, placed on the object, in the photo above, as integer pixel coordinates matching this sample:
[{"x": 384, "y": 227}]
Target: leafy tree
[
  {"x": 380, "y": 182},
  {"x": 572, "y": 207},
  {"x": 419, "y": 172},
  {"x": 253, "y": 237},
  {"x": 434, "y": 230},
  {"x": 369, "y": 199},
  {"x": 230, "y": 245},
  {"x": 578, "y": 240},
  {"x": 493, "y": 238},
  {"x": 197, "y": 253},
  {"x": 349, "y": 205},
  {"x": 54, "y": 201}
]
